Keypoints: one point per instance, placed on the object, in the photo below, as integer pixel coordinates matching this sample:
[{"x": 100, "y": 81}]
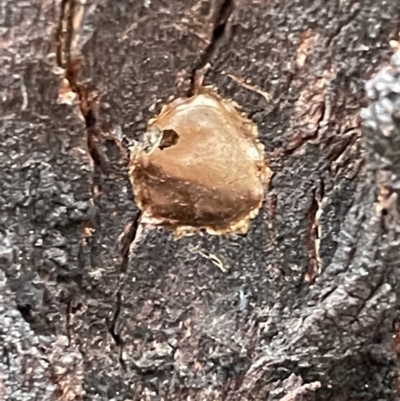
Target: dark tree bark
[{"x": 95, "y": 306}]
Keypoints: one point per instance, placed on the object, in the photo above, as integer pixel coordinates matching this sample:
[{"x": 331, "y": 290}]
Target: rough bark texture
[{"x": 95, "y": 307}]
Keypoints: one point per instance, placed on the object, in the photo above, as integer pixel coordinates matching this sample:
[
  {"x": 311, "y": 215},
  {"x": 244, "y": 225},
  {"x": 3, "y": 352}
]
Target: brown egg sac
[{"x": 200, "y": 165}]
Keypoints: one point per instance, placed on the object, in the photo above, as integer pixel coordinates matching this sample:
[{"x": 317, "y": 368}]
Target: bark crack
[
  {"x": 72, "y": 66},
  {"x": 314, "y": 236},
  {"x": 220, "y": 34}
]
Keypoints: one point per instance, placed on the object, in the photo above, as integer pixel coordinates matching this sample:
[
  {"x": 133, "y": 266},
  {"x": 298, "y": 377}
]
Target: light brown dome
[{"x": 200, "y": 165}]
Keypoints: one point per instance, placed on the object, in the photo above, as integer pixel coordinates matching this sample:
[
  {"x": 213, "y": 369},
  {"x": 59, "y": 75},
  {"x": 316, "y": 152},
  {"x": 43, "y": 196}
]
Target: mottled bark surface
[{"x": 95, "y": 307}]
